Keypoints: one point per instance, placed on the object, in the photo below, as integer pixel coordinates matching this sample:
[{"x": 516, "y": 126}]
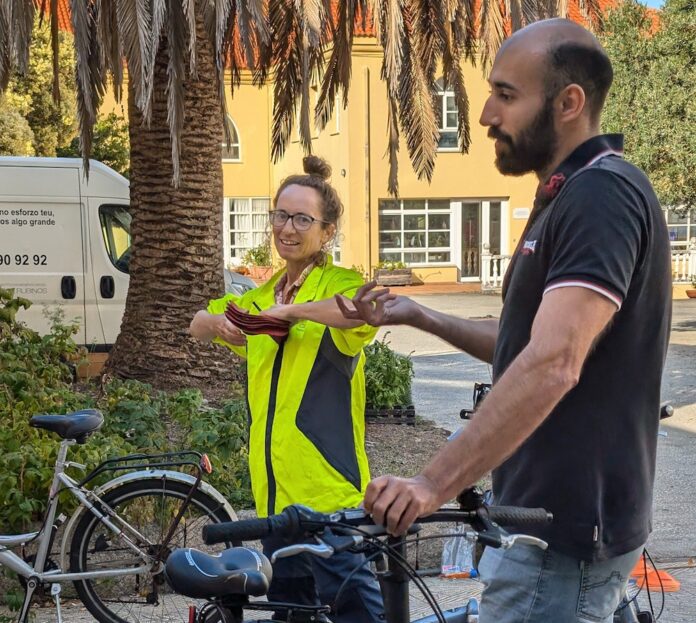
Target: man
[{"x": 571, "y": 422}]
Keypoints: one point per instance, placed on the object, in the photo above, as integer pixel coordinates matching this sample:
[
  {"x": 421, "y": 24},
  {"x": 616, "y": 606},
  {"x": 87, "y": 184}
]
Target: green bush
[
  {"x": 259, "y": 255},
  {"x": 36, "y": 377},
  {"x": 388, "y": 376},
  {"x": 390, "y": 265}
]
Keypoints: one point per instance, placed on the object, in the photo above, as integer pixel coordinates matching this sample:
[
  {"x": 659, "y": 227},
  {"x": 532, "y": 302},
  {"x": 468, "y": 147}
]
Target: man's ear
[{"x": 570, "y": 103}]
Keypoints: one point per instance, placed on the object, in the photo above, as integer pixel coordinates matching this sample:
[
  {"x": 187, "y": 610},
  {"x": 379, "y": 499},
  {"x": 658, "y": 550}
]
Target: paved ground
[{"x": 444, "y": 383}]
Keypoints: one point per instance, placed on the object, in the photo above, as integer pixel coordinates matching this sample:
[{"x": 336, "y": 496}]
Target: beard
[{"x": 534, "y": 147}]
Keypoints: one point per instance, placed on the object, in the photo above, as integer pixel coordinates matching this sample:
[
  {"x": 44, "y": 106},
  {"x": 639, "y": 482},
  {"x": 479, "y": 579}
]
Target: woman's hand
[
  {"x": 281, "y": 312},
  {"x": 377, "y": 307},
  {"x": 226, "y": 331}
]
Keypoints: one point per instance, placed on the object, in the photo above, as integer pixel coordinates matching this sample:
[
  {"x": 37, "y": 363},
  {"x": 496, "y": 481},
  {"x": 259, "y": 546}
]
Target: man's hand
[
  {"x": 377, "y": 307},
  {"x": 398, "y": 502},
  {"x": 225, "y": 330}
]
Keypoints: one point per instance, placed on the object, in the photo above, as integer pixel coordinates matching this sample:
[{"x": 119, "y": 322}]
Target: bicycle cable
[{"x": 383, "y": 548}]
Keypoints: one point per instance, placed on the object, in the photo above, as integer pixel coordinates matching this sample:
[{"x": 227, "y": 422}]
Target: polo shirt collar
[{"x": 582, "y": 156}]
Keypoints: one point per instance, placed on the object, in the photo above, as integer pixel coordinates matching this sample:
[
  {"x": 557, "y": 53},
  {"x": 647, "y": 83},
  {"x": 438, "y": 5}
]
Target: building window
[
  {"x": 681, "y": 226},
  {"x": 231, "y": 152},
  {"x": 415, "y": 231},
  {"x": 447, "y": 118},
  {"x": 245, "y": 225}
]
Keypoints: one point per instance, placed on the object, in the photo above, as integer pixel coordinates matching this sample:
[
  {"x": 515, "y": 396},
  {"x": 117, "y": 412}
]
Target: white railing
[
  {"x": 684, "y": 264},
  {"x": 493, "y": 269}
]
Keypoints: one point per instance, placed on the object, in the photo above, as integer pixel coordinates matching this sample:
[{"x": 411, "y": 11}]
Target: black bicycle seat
[
  {"x": 77, "y": 425},
  {"x": 235, "y": 571}
]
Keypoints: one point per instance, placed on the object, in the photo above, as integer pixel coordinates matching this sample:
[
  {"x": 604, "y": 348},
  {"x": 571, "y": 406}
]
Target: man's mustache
[{"x": 500, "y": 135}]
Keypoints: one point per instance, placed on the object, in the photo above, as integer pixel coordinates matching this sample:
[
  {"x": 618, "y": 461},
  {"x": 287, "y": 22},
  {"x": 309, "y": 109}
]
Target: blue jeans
[
  {"x": 527, "y": 585},
  {"x": 310, "y": 580}
]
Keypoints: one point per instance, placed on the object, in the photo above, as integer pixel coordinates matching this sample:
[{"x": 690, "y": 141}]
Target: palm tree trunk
[{"x": 176, "y": 264}]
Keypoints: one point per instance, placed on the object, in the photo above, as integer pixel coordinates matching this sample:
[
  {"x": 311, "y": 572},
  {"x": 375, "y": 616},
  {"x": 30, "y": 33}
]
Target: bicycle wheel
[{"x": 149, "y": 506}]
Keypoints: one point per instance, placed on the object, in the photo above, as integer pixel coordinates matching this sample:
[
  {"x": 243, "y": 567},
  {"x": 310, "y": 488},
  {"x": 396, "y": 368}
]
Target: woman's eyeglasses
[{"x": 301, "y": 222}]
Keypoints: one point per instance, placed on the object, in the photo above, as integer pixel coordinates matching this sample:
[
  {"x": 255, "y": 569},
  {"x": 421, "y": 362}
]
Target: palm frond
[
  {"x": 393, "y": 148},
  {"x": 492, "y": 32},
  {"x": 337, "y": 72},
  {"x": 429, "y": 35},
  {"x": 416, "y": 109},
  {"x": 135, "y": 23},
  {"x": 90, "y": 75},
  {"x": 21, "y": 18},
  {"x": 592, "y": 11},
  {"x": 5, "y": 47},
  {"x": 55, "y": 86},
  {"x": 176, "y": 68},
  {"x": 158, "y": 19},
  {"x": 189, "y": 7},
  {"x": 111, "y": 53},
  {"x": 288, "y": 75},
  {"x": 514, "y": 10}
]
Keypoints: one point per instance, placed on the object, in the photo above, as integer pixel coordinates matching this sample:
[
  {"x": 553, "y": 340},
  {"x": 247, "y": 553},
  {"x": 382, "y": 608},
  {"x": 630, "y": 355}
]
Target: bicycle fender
[{"x": 144, "y": 474}]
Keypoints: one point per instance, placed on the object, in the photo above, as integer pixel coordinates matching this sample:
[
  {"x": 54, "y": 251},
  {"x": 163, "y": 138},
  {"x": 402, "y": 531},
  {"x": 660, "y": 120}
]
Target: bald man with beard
[{"x": 571, "y": 422}]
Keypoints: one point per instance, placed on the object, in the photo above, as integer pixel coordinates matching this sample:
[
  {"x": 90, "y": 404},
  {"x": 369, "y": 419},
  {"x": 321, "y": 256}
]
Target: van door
[
  {"x": 110, "y": 244},
  {"x": 42, "y": 250}
]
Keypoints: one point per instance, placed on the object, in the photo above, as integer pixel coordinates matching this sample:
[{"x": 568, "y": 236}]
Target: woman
[{"x": 306, "y": 393}]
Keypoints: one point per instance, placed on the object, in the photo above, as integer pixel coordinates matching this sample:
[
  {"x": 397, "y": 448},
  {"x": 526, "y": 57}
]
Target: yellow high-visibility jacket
[{"x": 306, "y": 401}]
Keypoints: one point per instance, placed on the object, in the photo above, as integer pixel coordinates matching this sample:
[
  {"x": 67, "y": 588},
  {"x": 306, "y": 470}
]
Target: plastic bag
[{"x": 458, "y": 556}]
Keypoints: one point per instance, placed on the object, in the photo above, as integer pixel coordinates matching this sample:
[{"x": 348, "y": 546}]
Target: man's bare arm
[
  {"x": 381, "y": 307},
  {"x": 567, "y": 324}
]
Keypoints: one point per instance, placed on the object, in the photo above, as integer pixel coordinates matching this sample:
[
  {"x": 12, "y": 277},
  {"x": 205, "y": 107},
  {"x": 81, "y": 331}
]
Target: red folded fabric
[{"x": 252, "y": 324}]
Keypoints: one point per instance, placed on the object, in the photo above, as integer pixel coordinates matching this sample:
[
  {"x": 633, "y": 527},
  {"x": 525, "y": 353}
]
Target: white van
[{"x": 64, "y": 241}]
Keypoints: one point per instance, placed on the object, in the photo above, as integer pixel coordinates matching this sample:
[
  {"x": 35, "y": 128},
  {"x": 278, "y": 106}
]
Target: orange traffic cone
[{"x": 655, "y": 579}]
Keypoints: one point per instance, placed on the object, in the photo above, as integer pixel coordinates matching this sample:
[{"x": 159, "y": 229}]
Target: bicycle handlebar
[{"x": 297, "y": 521}]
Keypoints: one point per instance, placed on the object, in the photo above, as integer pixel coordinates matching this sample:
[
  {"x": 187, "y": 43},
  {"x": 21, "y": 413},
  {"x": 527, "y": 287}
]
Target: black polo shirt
[{"x": 596, "y": 224}]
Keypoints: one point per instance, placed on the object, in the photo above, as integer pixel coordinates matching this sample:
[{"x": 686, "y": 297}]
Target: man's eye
[{"x": 303, "y": 220}]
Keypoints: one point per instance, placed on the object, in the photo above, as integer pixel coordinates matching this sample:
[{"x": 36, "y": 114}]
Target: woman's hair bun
[{"x": 314, "y": 165}]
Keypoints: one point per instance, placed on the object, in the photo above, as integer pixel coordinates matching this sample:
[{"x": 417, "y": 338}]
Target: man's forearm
[
  {"x": 476, "y": 337},
  {"x": 519, "y": 402}
]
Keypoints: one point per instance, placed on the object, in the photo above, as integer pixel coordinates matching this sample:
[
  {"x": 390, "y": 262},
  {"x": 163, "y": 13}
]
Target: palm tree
[{"x": 176, "y": 52}]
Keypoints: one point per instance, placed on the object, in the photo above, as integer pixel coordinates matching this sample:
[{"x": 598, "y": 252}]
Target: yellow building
[
  {"x": 461, "y": 227},
  {"x": 455, "y": 228}
]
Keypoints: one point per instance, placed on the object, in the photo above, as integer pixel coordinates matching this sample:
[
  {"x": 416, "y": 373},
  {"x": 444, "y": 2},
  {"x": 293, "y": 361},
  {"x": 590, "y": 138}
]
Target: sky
[{"x": 655, "y": 4}]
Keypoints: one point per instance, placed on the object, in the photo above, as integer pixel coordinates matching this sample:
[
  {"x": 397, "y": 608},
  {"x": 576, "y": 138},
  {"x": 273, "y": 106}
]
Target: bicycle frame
[{"x": 62, "y": 481}]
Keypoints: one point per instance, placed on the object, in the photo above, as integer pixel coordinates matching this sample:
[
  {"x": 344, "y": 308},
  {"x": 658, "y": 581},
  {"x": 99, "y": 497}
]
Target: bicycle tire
[{"x": 149, "y": 506}]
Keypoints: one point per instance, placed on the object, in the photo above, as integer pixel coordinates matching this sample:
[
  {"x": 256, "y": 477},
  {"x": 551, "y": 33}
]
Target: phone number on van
[{"x": 22, "y": 260}]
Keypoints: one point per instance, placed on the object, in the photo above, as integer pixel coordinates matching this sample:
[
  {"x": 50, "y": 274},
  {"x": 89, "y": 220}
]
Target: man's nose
[{"x": 489, "y": 116}]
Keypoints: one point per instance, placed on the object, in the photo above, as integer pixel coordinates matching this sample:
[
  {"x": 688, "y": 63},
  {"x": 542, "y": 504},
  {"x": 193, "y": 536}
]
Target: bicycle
[
  {"x": 114, "y": 545},
  {"x": 228, "y": 580}
]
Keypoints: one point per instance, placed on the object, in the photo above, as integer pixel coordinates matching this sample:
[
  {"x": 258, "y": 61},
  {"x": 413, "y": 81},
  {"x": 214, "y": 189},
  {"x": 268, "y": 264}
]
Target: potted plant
[
  {"x": 388, "y": 377},
  {"x": 691, "y": 292},
  {"x": 259, "y": 261},
  {"x": 390, "y": 273}
]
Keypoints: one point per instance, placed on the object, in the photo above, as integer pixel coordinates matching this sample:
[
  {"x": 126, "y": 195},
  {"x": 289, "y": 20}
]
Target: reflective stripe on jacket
[{"x": 307, "y": 402}]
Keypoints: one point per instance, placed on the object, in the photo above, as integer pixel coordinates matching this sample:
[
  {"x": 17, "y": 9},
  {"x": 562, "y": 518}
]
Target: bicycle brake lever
[
  {"x": 508, "y": 540},
  {"x": 321, "y": 549}
]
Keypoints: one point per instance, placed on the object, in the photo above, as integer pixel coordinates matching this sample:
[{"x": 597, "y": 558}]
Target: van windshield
[{"x": 115, "y": 225}]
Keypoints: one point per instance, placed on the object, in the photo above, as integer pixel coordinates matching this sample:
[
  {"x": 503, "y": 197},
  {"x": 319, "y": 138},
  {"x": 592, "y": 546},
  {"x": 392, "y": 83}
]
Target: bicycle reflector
[{"x": 205, "y": 464}]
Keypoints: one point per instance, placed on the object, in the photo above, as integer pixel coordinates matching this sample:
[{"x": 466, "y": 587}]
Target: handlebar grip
[
  {"x": 518, "y": 516},
  {"x": 243, "y": 530}
]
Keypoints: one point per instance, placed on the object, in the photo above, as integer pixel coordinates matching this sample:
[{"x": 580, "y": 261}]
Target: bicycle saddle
[
  {"x": 77, "y": 425},
  {"x": 235, "y": 571}
]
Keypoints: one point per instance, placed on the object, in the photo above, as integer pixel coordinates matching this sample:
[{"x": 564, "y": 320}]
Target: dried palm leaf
[
  {"x": 90, "y": 75},
  {"x": 55, "y": 86},
  {"x": 416, "y": 107},
  {"x": 176, "y": 68},
  {"x": 429, "y": 35},
  {"x": 492, "y": 32},
  {"x": 393, "y": 147},
  {"x": 288, "y": 66},
  {"x": 135, "y": 23},
  {"x": 21, "y": 19},
  {"x": 5, "y": 47},
  {"x": 111, "y": 57},
  {"x": 158, "y": 20},
  {"x": 189, "y": 7}
]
